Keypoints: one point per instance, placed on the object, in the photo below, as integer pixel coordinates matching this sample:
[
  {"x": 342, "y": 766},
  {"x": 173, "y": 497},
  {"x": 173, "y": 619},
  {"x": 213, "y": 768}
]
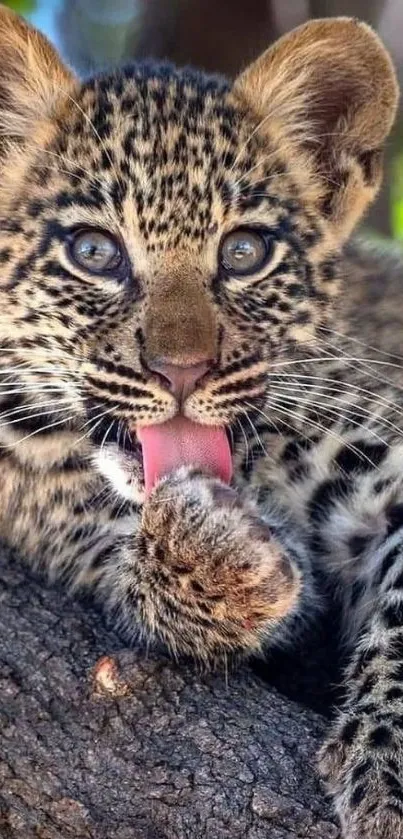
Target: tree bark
[
  {"x": 369, "y": 10},
  {"x": 136, "y": 747}
]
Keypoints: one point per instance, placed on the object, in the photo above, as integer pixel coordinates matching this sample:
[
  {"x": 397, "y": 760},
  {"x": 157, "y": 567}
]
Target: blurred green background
[{"x": 218, "y": 35}]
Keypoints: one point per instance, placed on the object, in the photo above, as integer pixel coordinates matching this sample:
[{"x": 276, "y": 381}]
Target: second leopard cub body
[{"x": 175, "y": 281}]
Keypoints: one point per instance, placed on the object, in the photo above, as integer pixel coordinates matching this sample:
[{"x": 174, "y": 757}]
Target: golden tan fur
[
  {"x": 169, "y": 163},
  {"x": 328, "y": 93},
  {"x": 179, "y": 299},
  {"x": 33, "y": 77}
]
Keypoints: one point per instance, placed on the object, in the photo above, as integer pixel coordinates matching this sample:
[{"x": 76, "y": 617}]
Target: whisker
[
  {"x": 343, "y": 355},
  {"x": 334, "y": 411},
  {"x": 92, "y": 428},
  {"x": 360, "y": 343},
  {"x": 29, "y": 408},
  {"x": 31, "y": 416},
  {"x": 300, "y": 417},
  {"x": 379, "y": 398},
  {"x": 273, "y": 423},
  {"x": 365, "y": 367},
  {"x": 247, "y": 453},
  {"x": 256, "y": 434},
  {"x": 37, "y": 431},
  {"x": 88, "y": 433},
  {"x": 351, "y": 407},
  {"x": 30, "y": 389},
  {"x": 17, "y": 368},
  {"x": 105, "y": 437},
  {"x": 310, "y": 360},
  {"x": 102, "y": 414}
]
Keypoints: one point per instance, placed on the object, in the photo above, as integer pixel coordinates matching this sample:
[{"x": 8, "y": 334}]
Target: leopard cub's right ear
[{"x": 33, "y": 79}]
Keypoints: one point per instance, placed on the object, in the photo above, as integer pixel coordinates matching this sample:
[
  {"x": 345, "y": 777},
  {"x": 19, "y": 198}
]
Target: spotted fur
[{"x": 170, "y": 161}]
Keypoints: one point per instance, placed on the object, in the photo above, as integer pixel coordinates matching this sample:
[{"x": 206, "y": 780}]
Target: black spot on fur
[
  {"x": 380, "y": 737},
  {"x": 393, "y": 615},
  {"x": 361, "y": 770},
  {"x": 367, "y": 687},
  {"x": 394, "y": 693},
  {"x": 349, "y": 731},
  {"x": 394, "y": 516},
  {"x": 358, "y": 544},
  {"x": 382, "y": 484},
  {"x": 357, "y": 591},
  {"x": 101, "y": 558},
  {"x": 327, "y": 270},
  {"x": 388, "y": 562},
  {"x": 393, "y": 784},
  {"x": 365, "y": 456},
  {"x": 395, "y": 651},
  {"x": 398, "y": 581},
  {"x": 325, "y": 496},
  {"x": 397, "y": 673},
  {"x": 364, "y": 659},
  {"x": 358, "y": 795}
]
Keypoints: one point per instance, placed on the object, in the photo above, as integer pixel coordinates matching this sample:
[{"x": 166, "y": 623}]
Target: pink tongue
[{"x": 180, "y": 442}]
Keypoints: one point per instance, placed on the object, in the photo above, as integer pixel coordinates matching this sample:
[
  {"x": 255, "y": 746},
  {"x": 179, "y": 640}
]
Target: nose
[{"x": 181, "y": 381}]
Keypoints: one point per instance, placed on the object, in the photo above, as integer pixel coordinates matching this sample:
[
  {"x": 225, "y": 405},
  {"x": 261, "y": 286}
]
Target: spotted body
[{"x": 130, "y": 205}]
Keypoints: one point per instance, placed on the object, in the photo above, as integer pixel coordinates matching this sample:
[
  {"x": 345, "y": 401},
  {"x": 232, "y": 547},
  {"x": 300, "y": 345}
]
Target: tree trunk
[
  {"x": 369, "y": 10},
  {"x": 136, "y": 747}
]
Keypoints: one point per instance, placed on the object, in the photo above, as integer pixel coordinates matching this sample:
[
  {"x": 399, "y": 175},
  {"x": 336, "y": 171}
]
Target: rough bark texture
[{"x": 146, "y": 750}]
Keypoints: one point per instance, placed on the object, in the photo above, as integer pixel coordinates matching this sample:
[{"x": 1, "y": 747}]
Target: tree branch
[{"x": 137, "y": 748}]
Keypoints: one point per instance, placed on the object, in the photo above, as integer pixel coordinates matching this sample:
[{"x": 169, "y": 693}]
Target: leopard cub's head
[{"x": 166, "y": 236}]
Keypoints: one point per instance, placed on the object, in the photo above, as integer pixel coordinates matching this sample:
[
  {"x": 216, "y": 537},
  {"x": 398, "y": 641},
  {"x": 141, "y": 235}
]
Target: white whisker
[{"x": 37, "y": 431}]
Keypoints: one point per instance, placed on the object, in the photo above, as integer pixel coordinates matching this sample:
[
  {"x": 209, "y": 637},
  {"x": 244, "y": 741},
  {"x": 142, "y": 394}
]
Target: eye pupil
[
  {"x": 240, "y": 250},
  {"x": 244, "y": 252},
  {"x": 95, "y": 251}
]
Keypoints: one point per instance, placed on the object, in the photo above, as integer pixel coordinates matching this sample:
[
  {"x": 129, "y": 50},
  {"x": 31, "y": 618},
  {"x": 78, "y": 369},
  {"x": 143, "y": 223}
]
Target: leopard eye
[
  {"x": 245, "y": 251},
  {"x": 95, "y": 251}
]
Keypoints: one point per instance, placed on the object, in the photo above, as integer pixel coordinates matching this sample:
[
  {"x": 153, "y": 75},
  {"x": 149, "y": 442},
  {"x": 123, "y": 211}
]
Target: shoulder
[{"x": 372, "y": 303}]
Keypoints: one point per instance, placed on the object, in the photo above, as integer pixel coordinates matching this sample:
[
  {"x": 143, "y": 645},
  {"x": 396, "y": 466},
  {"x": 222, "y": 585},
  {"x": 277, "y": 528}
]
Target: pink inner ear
[{"x": 181, "y": 442}]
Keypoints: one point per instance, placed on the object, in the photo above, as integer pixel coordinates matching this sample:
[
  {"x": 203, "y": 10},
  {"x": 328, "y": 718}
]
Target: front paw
[
  {"x": 219, "y": 581},
  {"x": 362, "y": 766}
]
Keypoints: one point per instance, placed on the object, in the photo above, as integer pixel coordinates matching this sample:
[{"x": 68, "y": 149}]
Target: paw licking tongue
[{"x": 181, "y": 442}]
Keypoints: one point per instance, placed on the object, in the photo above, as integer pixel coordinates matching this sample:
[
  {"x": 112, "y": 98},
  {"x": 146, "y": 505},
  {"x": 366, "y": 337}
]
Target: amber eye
[
  {"x": 95, "y": 251},
  {"x": 245, "y": 251}
]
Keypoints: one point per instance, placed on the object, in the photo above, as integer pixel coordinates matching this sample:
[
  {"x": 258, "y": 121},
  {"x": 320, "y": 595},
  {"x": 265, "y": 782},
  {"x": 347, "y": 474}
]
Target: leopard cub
[{"x": 192, "y": 425}]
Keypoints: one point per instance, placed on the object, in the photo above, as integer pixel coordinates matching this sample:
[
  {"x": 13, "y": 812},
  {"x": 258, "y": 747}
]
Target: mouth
[
  {"x": 181, "y": 442},
  {"x": 148, "y": 453}
]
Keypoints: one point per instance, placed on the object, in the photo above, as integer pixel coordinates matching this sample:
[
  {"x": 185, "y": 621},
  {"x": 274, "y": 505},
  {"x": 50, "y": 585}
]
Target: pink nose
[{"x": 181, "y": 381}]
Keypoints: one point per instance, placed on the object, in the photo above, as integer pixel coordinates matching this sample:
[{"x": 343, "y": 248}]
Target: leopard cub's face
[{"x": 165, "y": 239}]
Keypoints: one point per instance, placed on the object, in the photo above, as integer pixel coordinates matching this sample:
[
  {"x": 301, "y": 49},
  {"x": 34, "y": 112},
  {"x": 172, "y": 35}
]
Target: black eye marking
[{"x": 245, "y": 251}]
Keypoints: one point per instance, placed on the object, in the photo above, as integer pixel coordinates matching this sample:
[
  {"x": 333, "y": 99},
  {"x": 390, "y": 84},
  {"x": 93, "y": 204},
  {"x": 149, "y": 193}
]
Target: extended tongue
[{"x": 180, "y": 442}]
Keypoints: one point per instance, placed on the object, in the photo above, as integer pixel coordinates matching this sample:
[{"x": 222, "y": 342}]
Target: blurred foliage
[
  {"x": 23, "y": 7},
  {"x": 397, "y": 196}
]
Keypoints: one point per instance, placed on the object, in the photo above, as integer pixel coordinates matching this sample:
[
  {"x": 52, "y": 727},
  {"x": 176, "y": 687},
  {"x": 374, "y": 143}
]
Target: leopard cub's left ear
[
  {"x": 35, "y": 85},
  {"x": 326, "y": 96}
]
